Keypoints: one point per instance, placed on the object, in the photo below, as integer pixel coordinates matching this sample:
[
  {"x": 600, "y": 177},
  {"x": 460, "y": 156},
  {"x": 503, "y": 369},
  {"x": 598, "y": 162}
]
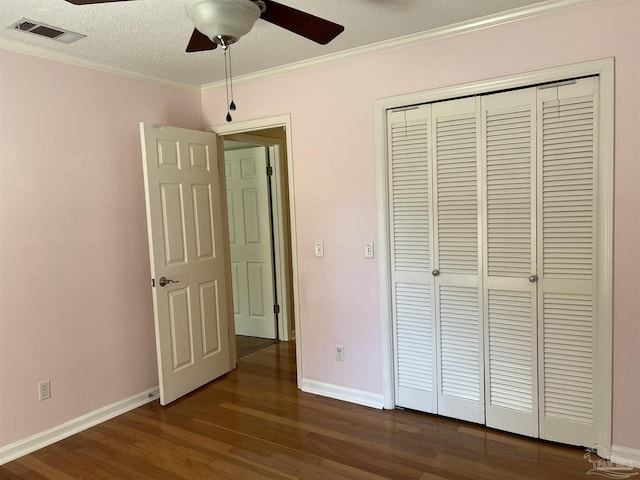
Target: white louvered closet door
[
  {"x": 509, "y": 184},
  {"x": 567, "y": 120},
  {"x": 412, "y": 285},
  {"x": 455, "y": 129}
]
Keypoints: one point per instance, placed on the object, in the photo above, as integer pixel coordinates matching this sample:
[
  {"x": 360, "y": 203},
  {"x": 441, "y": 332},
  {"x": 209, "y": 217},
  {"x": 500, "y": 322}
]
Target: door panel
[
  {"x": 209, "y": 311},
  {"x": 185, "y": 225},
  {"x": 173, "y": 228},
  {"x": 500, "y": 196},
  {"x": 567, "y": 233},
  {"x": 412, "y": 284},
  {"x": 509, "y": 183},
  {"x": 181, "y": 328},
  {"x": 202, "y": 214},
  {"x": 458, "y": 302},
  {"x": 251, "y": 246},
  {"x": 460, "y": 370}
]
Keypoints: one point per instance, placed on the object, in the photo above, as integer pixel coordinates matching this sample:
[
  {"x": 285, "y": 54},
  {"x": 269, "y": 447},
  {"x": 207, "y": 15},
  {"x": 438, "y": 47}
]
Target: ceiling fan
[{"x": 223, "y": 22}]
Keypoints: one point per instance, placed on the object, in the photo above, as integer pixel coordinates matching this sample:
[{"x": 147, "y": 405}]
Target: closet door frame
[{"x": 604, "y": 69}]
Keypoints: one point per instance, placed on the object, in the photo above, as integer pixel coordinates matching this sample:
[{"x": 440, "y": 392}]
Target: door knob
[
  {"x": 162, "y": 281},
  {"x": 533, "y": 278},
  {"x": 435, "y": 273}
]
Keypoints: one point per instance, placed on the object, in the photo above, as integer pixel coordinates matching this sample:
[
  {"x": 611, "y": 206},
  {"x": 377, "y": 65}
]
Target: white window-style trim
[{"x": 605, "y": 70}]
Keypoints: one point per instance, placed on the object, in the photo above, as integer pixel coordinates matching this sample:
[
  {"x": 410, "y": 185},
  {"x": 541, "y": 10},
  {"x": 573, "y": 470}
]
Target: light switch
[
  {"x": 318, "y": 248},
  {"x": 368, "y": 249}
]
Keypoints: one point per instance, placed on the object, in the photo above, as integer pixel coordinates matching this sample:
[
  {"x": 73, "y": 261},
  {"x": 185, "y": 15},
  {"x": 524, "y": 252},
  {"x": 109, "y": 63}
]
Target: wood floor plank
[
  {"x": 60, "y": 459},
  {"x": 254, "y": 424},
  {"x": 44, "y": 469},
  {"x": 298, "y": 425}
]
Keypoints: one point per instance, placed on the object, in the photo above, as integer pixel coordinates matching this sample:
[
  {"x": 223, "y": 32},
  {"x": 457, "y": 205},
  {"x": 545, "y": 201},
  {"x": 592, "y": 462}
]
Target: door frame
[
  {"x": 253, "y": 127},
  {"x": 604, "y": 68},
  {"x": 280, "y": 242}
]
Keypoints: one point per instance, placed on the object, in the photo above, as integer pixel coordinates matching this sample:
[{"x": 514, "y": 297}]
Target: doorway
[
  {"x": 259, "y": 257},
  {"x": 278, "y": 129},
  {"x": 259, "y": 227},
  {"x": 252, "y": 238}
]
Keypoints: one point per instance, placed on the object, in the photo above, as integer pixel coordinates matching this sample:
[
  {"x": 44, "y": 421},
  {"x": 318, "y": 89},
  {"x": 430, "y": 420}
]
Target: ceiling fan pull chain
[
  {"x": 232, "y": 105},
  {"x": 226, "y": 81}
]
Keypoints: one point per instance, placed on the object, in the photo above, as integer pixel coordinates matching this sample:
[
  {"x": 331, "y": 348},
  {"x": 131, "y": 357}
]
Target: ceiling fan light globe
[{"x": 227, "y": 19}]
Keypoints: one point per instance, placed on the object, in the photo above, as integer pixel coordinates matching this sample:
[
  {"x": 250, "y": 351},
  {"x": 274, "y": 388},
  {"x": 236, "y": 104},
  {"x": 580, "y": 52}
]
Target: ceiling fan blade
[
  {"x": 309, "y": 26},
  {"x": 200, "y": 42},
  {"x": 91, "y": 2}
]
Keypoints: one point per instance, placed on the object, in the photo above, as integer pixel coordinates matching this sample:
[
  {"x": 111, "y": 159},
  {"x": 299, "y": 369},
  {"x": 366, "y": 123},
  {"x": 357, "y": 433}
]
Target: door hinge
[
  {"x": 153, "y": 282},
  {"x": 276, "y": 309},
  {"x": 269, "y": 171}
]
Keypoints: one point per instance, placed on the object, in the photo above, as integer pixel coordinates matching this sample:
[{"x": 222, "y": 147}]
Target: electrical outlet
[
  {"x": 44, "y": 390},
  {"x": 340, "y": 353},
  {"x": 318, "y": 249}
]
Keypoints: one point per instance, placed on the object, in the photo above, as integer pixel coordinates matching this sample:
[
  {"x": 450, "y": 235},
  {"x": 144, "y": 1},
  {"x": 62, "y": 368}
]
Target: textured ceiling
[{"x": 150, "y": 36}]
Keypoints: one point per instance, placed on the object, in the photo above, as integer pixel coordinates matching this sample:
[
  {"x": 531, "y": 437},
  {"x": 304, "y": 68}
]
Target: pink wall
[
  {"x": 72, "y": 221},
  {"x": 332, "y": 109},
  {"x": 75, "y": 300}
]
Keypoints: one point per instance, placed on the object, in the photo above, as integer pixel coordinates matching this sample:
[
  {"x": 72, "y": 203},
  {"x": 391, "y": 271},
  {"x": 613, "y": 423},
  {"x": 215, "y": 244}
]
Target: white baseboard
[
  {"x": 351, "y": 395},
  {"x": 625, "y": 455},
  {"x": 78, "y": 424}
]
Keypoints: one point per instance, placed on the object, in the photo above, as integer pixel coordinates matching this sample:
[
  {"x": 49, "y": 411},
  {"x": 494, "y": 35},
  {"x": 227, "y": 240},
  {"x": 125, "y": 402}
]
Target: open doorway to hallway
[{"x": 259, "y": 233}]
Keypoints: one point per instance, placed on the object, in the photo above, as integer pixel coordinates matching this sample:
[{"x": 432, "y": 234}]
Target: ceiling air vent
[{"x": 44, "y": 30}]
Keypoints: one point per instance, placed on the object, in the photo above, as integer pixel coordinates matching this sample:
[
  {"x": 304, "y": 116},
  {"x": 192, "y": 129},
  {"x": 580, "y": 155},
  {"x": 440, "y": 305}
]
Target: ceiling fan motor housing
[{"x": 223, "y": 21}]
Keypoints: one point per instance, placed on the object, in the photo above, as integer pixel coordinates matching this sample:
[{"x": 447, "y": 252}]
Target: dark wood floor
[{"x": 254, "y": 424}]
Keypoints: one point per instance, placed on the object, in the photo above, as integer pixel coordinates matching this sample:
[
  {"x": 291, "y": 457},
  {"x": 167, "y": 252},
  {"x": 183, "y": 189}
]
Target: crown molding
[
  {"x": 542, "y": 8},
  {"x": 27, "y": 49},
  {"x": 437, "y": 33}
]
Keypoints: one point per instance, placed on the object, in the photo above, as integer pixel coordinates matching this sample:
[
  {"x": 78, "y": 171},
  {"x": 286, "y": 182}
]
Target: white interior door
[
  {"x": 569, "y": 256},
  {"x": 458, "y": 303},
  {"x": 186, "y": 247},
  {"x": 510, "y": 270},
  {"x": 250, "y": 240},
  {"x": 511, "y": 208},
  {"x": 411, "y": 257}
]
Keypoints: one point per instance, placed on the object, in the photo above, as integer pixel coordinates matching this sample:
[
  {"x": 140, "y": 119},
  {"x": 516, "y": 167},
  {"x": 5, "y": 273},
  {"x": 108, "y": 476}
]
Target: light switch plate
[
  {"x": 368, "y": 249},
  {"x": 318, "y": 249}
]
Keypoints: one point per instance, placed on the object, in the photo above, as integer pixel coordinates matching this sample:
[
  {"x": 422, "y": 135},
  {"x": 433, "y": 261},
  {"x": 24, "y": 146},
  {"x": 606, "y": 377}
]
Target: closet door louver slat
[
  {"x": 410, "y": 195},
  {"x": 511, "y": 360},
  {"x": 459, "y": 330},
  {"x": 456, "y": 178},
  {"x": 414, "y": 337},
  {"x": 508, "y": 177},
  {"x": 568, "y": 357},
  {"x": 567, "y": 175},
  {"x": 508, "y": 166},
  {"x": 567, "y": 117},
  {"x": 459, "y": 334},
  {"x": 411, "y": 258}
]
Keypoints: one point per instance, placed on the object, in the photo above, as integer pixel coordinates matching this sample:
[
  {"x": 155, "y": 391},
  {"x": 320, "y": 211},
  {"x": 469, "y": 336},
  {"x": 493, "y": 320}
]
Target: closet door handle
[
  {"x": 533, "y": 278},
  {"x": 435, "y": 273}
]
